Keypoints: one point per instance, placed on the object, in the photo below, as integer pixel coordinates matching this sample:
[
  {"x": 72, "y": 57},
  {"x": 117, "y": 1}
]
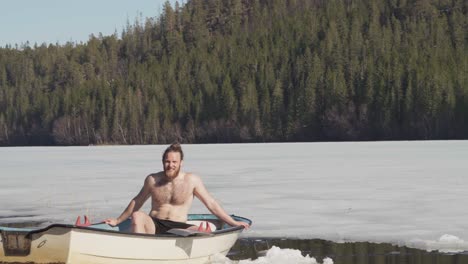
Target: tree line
[{"x": 247, "y": 71}]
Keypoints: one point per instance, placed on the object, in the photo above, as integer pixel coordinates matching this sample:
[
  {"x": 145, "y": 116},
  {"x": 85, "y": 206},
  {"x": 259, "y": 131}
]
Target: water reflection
[{"x": 345, "y": 253}]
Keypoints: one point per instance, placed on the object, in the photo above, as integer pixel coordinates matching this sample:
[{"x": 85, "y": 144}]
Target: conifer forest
[{"x": 224, "y": 71}]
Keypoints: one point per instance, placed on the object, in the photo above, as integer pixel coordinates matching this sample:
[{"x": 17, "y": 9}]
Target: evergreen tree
[{"x": 238, "y": 71}]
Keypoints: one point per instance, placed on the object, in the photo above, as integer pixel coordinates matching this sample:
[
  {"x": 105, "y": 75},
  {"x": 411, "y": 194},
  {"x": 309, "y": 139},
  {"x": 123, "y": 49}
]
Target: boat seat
[{"x": 198, "y": 222}]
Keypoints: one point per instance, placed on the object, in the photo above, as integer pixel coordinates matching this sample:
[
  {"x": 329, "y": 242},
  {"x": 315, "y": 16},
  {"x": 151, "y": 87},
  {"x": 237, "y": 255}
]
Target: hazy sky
[{"x": 53, "y": 21}]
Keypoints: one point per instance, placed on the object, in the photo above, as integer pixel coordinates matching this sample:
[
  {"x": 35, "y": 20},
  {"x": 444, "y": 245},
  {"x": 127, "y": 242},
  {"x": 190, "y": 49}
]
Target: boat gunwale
[{"x": 231, "y": 229}]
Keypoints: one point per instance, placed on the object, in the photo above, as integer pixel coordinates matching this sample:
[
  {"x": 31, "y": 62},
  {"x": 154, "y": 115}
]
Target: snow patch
[{"x": 274, "y": 255}]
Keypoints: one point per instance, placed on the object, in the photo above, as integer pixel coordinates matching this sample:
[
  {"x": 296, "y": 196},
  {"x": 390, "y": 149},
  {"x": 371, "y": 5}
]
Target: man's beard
[{"x": 172, "y": 174}]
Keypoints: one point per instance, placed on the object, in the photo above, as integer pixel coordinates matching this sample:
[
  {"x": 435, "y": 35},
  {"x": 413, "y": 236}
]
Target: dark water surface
[{"x": 345, "y": 253}]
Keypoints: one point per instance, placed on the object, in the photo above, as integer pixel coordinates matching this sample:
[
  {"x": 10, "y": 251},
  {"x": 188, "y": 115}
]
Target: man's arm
[
  {"x": 205, "y": 197},
  {"x": 135, "y": 204}
]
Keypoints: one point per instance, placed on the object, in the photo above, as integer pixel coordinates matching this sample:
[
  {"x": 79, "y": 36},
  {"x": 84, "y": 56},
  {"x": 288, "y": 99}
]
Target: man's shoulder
[
  {"x": 192, "y": 177},
  {"x": 155, "y": 176}
]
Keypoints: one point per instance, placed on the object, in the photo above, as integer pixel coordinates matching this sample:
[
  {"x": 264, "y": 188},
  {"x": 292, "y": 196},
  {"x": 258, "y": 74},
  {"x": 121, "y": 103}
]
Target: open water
[{"x": 361, "y": 202}]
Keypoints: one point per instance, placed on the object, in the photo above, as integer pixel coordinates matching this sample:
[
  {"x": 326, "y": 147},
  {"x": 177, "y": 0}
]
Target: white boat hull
[
  {"x": 78, "y": 245},
  {"x": 48, "y": 247},
  {"x": 100, "y": 249}
]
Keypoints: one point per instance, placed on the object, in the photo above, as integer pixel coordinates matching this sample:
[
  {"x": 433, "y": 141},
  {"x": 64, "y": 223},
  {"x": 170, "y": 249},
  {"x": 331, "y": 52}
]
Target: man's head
[{"x": 172, "y": 160}]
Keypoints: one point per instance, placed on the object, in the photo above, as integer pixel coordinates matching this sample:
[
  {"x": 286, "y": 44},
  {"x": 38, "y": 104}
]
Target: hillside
[{"x": 248, "y": 71}]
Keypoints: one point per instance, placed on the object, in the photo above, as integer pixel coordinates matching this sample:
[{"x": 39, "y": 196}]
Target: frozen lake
[{"x": 405, "y": 193}]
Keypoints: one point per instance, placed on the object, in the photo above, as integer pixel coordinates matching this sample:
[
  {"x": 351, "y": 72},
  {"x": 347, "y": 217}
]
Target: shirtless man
[{"x": 171, "y": 193}]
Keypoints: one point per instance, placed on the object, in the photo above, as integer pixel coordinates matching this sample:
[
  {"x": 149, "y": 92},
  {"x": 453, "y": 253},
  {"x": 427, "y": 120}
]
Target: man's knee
[{"x": 138, "y": 217}]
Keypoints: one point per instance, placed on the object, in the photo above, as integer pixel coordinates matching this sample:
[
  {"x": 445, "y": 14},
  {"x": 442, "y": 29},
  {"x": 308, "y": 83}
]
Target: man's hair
[{"x": 174, "y": 147}]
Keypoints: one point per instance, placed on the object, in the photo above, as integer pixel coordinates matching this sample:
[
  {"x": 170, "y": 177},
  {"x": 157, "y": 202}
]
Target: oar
[
  {"x": 78, "y": 221},
  {"x": 207, "y": 228},
  {"x": 86, "y": 221}
]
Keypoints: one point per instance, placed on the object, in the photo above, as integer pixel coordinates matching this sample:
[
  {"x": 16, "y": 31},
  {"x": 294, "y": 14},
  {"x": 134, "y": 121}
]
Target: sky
[{"x": 60, "y": 21}]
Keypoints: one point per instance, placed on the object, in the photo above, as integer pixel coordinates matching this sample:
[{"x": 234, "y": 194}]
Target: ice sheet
[{"x": 406, "y": 193}]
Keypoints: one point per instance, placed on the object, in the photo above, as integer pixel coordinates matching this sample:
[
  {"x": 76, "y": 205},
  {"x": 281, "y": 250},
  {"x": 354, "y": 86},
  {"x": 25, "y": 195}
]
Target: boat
[{"x": 101, "y": 243}]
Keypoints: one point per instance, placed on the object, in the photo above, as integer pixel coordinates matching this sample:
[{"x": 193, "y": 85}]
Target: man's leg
[
  {"x": 142, "y": 223},
  {"x": 194, "y": 228}
]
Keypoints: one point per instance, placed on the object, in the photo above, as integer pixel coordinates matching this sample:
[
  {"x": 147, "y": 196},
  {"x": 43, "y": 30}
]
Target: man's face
[{"x": 172, "y": 164}]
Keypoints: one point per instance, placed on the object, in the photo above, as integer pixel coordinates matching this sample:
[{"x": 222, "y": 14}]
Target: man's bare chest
[{"x": 171, "y": 193}]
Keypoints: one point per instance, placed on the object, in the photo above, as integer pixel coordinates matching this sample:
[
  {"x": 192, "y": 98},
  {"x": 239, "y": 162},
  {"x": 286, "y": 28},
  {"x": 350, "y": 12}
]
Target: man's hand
[
  {"x": 111, "y": 221},
  {"x": 244, "y": 224}
]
